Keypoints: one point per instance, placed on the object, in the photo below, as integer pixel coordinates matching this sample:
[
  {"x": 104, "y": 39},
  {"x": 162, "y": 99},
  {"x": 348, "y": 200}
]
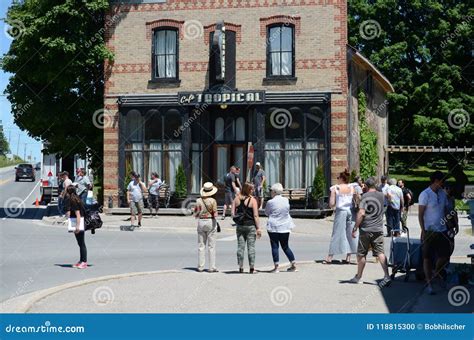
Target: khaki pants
[{"x": 207, "y": 229}]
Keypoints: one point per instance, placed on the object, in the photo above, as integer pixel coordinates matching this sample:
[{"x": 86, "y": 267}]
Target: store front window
[
  {"x": 294, "y": 146},
  {"x": 151, "y": 145}
]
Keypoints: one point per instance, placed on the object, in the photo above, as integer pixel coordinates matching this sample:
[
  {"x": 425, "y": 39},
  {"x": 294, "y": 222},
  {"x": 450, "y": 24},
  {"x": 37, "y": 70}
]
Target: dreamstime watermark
[
  {"x": 197, "y": 111},
  {"x": 109, "y": 22},
  {"x": 21, "y": 109},
  {"x": 464, "y": 25},
  {"x": 458, "y": 118},
  {"x": 14, "y": 29},
  {"x": 458, "y": 296},
  {"x": 281, "y": 296},
  {"x": 370, "y": 297},
  {"x": 101, "y": 119},
  {"x": 103, "y": 295},
  {"x": 14, "y": 207},
  {"x": 281, "y": 118},
  {"x": 22, "y": 287},
  {"x": 193, "y": 29},
  {"x": 370, "y": 29}
]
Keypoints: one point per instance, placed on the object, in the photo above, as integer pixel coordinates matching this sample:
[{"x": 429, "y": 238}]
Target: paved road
[{"x": 34, "y": 256}]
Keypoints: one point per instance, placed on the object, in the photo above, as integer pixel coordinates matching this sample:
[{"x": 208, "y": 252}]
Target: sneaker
[
  {"x": 274, "y": 270},
  {"x": 223, "y": 217},
  {"x": 200, "y": 270},
  {"x": 82, "y": 265},
  {"x": 429, "y": 290},
  {"x": 213, "y": 270},
  {"x": 76, "y": 265},
  {"x": 292, "y": 269},
  {"x": 355, "y": 279}
]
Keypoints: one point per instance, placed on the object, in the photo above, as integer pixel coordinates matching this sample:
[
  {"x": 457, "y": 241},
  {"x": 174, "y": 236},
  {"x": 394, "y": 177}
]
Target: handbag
[
  {"x": 212, "y": 217},
  {"x": 239, "y": 217}
]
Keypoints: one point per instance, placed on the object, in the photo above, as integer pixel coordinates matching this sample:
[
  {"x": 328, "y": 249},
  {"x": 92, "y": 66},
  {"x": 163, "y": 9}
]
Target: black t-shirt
[
  {"x": 73, "y": 207},
  {"x": 407, "y": 192},
  {"x": 229, "y": 179}
]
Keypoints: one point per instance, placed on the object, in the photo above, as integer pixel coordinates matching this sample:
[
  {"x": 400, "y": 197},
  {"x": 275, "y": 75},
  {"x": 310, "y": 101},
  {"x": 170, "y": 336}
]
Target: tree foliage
[
  {"x": 425, "y": 48},
  {"x": 181, "y": 190},
  {"x": 4, "y": 146},
  {"x": 56, "y": 59},
  {"x": 368, "y": 141},
  {"x": 319, "y": 184}
]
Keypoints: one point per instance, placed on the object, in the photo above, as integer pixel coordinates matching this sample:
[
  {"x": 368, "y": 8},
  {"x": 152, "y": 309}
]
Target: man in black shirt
[{"x": 230, "y": 189}]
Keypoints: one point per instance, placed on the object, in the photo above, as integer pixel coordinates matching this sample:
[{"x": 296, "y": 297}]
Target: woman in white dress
[{"x": 342, "y": 242}]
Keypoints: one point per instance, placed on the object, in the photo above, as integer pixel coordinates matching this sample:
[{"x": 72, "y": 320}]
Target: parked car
[{"x": 24, "y": 171}]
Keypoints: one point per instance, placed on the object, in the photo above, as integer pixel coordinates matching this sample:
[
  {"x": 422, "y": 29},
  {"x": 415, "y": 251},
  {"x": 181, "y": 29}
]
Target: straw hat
[{"x": 208, "y": 189}]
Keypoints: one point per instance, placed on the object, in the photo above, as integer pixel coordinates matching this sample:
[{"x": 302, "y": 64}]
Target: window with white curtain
[
  {"x": 165, "y": 53},
  {"x": 293, "y": 165},
  {"x": 173, "y": 156},
  {"x": 312, "y": 161},
  {"x": 280, "y": 55},
  {"x": 272, "y": 162},
  {"x": 154, "y": 159},
  {"x": 196, "y": 163}
]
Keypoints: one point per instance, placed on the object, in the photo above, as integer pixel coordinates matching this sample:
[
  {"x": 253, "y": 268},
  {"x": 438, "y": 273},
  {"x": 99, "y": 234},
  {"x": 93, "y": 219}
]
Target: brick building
[{"x": 196, "y": 82}]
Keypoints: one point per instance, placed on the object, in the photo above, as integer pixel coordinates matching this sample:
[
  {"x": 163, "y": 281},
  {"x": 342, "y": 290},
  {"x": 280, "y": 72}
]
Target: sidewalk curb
[{"x": 23, "y": 303}]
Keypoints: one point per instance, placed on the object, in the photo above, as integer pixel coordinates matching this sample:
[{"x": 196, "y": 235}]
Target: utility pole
[
  {"x": 24, "y": 153},
  {"x": 18, "y": 146}
]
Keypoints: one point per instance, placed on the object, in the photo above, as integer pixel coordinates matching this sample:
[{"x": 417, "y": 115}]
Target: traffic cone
[{"x": 37, "y": 203}]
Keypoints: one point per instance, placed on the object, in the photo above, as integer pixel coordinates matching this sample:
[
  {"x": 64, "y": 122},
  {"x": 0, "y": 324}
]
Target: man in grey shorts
[
  {"x": 370, "y": 222},
  {"x": 230, "y": 189}
]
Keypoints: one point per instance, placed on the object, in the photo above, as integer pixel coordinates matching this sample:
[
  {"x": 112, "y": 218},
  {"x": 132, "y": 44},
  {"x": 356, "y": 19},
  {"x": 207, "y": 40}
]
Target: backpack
[{"x": 240, "y": 217}]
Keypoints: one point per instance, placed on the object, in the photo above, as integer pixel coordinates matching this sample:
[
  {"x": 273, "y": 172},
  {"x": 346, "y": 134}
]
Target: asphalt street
[{"x": 35, "y": 256}]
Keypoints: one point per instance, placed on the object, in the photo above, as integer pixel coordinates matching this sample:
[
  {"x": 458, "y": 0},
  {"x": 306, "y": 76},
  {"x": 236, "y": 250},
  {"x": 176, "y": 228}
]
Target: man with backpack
[{"x": 408, "y": 201}]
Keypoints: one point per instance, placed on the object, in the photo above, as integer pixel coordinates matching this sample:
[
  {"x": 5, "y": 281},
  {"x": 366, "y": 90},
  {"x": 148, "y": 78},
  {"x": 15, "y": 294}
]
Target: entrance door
[{"x": 227, "y": 155}]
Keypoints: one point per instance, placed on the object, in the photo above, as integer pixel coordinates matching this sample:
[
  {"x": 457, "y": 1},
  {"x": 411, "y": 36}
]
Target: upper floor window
[
  {"x": 165, "y": 53},
  {"x": 280, "y": 51}
]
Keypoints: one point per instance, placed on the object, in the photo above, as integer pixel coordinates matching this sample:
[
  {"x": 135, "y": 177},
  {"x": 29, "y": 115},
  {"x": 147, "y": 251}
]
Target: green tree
[
  {"x": 181, "y": 190},
  {"x": 4, "y": 146},
  {"x": 368, "y": 141},
  {"x": 425, "y": 48},
  {"x": 56, "y": 59},
  {"x": 319, "y": 184}
]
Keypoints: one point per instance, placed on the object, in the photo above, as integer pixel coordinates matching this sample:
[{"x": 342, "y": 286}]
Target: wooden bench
[
  {"x": 165, "y": 195},
  {"x": 299, "y": 195}
]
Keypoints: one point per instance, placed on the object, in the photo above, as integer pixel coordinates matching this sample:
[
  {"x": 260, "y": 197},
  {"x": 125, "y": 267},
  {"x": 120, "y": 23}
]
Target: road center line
[{"x": 38, "y": 183}]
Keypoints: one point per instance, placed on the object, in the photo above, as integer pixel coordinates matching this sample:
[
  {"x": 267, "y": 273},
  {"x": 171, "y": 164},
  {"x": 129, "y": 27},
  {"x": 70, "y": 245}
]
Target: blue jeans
[
  {"x": 393, "y": 219},
  {"x": 60, "y": 206},
  {"x": 83, "y": 197},
  {"x": 280, "y": 238}
]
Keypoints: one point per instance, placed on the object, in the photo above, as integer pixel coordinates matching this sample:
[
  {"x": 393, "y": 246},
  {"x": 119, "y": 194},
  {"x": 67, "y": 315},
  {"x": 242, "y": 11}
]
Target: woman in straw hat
[{"x": 206, "y": 213}]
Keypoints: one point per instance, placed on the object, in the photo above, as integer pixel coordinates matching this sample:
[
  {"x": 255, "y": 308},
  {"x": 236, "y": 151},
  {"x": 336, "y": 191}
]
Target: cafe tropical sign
[{"x": 219, "y": 98}]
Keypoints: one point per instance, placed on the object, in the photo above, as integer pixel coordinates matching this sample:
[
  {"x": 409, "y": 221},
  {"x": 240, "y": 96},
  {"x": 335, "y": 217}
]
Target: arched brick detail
[
  {"x": 281, "y": 19},
  {"x": 150, "y": 26},
  {"x": 228, "y": 26}
]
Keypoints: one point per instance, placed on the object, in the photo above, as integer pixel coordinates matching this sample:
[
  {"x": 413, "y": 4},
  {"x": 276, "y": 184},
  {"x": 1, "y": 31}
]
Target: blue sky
[{"x": 12, "y": 131}]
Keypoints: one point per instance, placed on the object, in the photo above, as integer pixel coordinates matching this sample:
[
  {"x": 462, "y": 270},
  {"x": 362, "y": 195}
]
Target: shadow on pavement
[
  {"x": 22, "y": 213},
  {"x": 68, "y": 265}
]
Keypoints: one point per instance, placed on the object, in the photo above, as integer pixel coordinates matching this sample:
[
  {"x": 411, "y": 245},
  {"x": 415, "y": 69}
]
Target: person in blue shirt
[{"x": 433, "y": 206}]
